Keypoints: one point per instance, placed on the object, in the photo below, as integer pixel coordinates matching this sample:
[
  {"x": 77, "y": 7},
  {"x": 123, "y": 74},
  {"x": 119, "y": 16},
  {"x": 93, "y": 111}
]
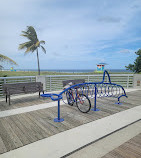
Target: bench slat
[{"x": 17, "y": 88}]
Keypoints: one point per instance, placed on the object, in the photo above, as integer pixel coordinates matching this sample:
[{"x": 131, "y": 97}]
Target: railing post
[
  {"x": 88, "y": 79},
  {"x": 4, "y": 80},
  {"x": 50, "y": 83},
  {"x": 127, "y": 81}
]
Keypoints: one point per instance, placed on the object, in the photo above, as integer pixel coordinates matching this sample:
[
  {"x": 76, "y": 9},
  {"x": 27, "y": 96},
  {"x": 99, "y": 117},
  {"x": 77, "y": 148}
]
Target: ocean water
[{"x": 75, "y": 70}]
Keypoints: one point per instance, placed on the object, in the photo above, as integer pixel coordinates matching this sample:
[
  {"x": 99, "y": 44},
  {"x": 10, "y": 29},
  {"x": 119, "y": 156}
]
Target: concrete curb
[{"x": 29, "y": 109}]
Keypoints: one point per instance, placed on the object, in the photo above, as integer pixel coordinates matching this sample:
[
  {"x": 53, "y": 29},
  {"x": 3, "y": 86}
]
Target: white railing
[
  {"x": 54, "y": 82},
  {"x": 15, "y": 79}
]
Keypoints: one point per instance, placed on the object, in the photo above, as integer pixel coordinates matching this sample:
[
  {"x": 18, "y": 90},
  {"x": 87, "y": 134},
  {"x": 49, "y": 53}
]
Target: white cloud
[{"x": 125, "y": 51}]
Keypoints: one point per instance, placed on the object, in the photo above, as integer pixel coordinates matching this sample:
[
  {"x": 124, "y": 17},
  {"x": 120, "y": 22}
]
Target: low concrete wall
[
  {"x": 41, "y": 79},
  {"x": 137, "y": 81}
]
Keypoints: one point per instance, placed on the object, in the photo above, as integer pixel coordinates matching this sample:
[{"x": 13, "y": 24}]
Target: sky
[{"x": 78, "y": 33}]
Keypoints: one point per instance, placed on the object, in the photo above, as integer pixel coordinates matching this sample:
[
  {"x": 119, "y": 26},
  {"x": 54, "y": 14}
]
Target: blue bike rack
[
  {"x": 95, "y": 109},
  {"x": 98, "y": 89}
]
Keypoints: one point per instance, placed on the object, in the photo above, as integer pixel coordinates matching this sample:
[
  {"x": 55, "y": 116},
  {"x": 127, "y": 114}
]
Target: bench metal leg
[
  {"x": 40, "y": 93},
  {"x": 9, "y": 99},
  {"x": 6, "y": 98}
]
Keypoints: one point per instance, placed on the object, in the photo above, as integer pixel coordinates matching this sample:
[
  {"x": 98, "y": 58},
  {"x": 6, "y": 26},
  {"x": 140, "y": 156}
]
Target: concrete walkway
[
  {"x": 66, "y": 142},
  {"x": 109, "y": 143}
]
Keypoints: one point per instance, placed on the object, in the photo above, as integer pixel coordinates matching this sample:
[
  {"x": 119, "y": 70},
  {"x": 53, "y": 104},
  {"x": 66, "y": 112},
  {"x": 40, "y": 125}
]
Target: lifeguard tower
[
  {"x": 100, "y": 67},
  {"x": 12, "y": 69}
]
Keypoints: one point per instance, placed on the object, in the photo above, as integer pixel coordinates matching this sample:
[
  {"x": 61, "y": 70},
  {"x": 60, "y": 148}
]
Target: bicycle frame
[{"x": 72, "y": 95}]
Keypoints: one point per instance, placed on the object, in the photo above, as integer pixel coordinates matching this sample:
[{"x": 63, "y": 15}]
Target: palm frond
[
  {"x": 25, "y": 45},
  {"x": 30, "y": 48},
  {"x": 44, "y": 50},
  {"x": 37, "y": 44},
  {"x": 4, "y": 58},
  {"x": 42, "y": 42},
  {"x": 30, "y": 37},
  {"x": 24, "y": 35},
  {"x": 33, "y": 48},
  {"x": 24, "y": 32},
  {"x": 30, "y": 33}
]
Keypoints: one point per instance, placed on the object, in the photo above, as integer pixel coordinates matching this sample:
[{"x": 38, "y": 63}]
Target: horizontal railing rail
[
  {"x": 54, "y": 82},
  {"x": 13, "y": 77},
  {"x": 90, "y": 75}
]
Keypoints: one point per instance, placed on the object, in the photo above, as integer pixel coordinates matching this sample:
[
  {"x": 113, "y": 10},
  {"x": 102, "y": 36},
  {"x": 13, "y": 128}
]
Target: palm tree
[
  {"x": 4, "y": 58},
  {"x": 33, "y": 44}
]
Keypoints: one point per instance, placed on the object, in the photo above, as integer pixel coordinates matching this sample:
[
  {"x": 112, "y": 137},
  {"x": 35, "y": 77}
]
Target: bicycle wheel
[
  {"x": 69, "y": 98},
  {"x": 83, "y": 103}
]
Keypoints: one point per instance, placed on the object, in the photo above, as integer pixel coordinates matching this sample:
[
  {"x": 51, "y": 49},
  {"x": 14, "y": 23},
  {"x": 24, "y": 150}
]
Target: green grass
[{"x": 35, "y": 73}]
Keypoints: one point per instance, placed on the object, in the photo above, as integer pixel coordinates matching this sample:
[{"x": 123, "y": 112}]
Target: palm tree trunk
[{"x": 38, "y": 62}]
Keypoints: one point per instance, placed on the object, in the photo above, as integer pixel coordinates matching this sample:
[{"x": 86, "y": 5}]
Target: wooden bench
[{"x": 17, "y": 88}]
